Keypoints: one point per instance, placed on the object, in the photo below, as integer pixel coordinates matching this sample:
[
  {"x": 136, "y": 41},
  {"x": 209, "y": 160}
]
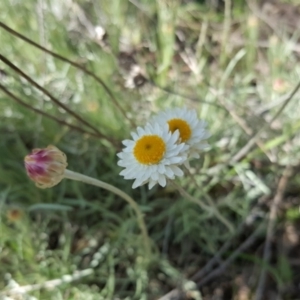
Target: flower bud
[
  {"x": 14, "y": 215},
  {"x": 46, "y": 166}
]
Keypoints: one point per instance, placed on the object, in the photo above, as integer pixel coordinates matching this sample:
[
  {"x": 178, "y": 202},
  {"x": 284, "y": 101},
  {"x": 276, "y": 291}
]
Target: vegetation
[{"x": 236, "y": 64}]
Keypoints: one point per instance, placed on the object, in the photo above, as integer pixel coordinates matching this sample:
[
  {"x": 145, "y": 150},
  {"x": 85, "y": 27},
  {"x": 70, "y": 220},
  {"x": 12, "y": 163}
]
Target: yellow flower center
[
  {"x": 183, "y": 127},
  {"x": 149, "y": 149}
]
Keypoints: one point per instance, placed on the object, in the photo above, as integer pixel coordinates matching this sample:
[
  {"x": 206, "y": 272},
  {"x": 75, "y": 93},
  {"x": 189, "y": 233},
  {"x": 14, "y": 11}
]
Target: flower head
[
  {"x": 192, "y": 131},
  {"x": 152, "y": 156},
  {"x": 14, "y": 214},
  {"x": 46, "y": 166}
]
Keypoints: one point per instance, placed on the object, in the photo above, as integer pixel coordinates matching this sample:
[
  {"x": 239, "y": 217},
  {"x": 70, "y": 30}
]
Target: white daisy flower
[
  {"x": 192, "y": 130},
  {"x": 152, "y": 156}
]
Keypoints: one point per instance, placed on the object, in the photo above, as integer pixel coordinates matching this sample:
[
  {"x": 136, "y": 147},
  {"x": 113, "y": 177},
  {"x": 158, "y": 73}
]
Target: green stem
[
  {"x": 212, "y": 208},
  {"x": 191, "y": 198},
  {"x": 219, "y": 215},
  {"x": 89, "y": 180},
  {"x": 212, "y": 204}
]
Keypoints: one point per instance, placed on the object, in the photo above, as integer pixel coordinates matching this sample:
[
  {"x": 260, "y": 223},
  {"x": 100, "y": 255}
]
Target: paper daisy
[
  {"x": 152, "y": 156},
  {"x": 192, "y": 130}
]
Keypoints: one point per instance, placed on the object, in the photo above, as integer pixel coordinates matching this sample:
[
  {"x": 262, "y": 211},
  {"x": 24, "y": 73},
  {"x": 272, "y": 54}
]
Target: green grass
[{"x": 75, "y": 227}]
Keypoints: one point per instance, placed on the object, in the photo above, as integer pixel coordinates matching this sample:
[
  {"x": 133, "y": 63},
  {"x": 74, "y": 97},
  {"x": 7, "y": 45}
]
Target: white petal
[
  {"x": 162, "y": 180},
  {"x": 155, "y": 176},
  {"x": 140, "y": 131},
  {"x": 152, "y": 183},
  {"x": 161, "y": 169},
  {"x": 177, "y": 171},
  {"x": 127, "y": 142},
  {"x": 136, "y": 183},
  {"x": 169, "y": 172},
  {"x": 120, "y": 154},
  {"x": 176, "y": 160},
  {"x": 134, "y": 136}
]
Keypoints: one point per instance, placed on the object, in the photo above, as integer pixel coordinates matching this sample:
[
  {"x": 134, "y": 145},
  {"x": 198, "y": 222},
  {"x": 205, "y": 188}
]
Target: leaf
[{"x": 50, "y": 206}]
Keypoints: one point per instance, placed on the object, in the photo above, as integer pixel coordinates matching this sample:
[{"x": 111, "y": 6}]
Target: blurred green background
[{"x": 235, "y": 62}]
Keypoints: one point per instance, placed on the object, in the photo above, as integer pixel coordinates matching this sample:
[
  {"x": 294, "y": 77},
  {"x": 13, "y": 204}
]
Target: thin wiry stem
[
  {"x": 243, "y": 124},
  {"x": 194, "y": 99},
  {"x": 218, "y": 256},
  {"x": 245, "y": 245},
  {"x": 97, "y": 78},
  {"x": 212, "y": 204},
  {"x": 270, "y": 230},
  {"x": 59, "y": 121},
  {"x": 42, "y": 35},
  {"x": 243, "y": 152},
  {"x": 44, "y": 91},
  {"x": 191, "y": 198},
  {"x": 210, "y": 208},
  {"x": 74, "y": 64}
]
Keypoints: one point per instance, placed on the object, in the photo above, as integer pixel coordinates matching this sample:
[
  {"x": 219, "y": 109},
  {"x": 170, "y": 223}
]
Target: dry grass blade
[
  {"x": 242, "y": 123},
  {"x": 243, "y": 152},
  {"x": 74, "y": 64},
  {"x": 44, "y": 91},
  {"x": 193, "y": 99},
  {"x": 271, "y": 225},
  {"x": 218, "y": 271},
  {"x": 245, "y": 245},
  {"x": 217, "y": 257},
  {"x": 59, "y": 121}
]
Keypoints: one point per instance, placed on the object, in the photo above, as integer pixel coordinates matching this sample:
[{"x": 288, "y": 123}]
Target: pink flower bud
[{"x": 46, "y": 166}]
